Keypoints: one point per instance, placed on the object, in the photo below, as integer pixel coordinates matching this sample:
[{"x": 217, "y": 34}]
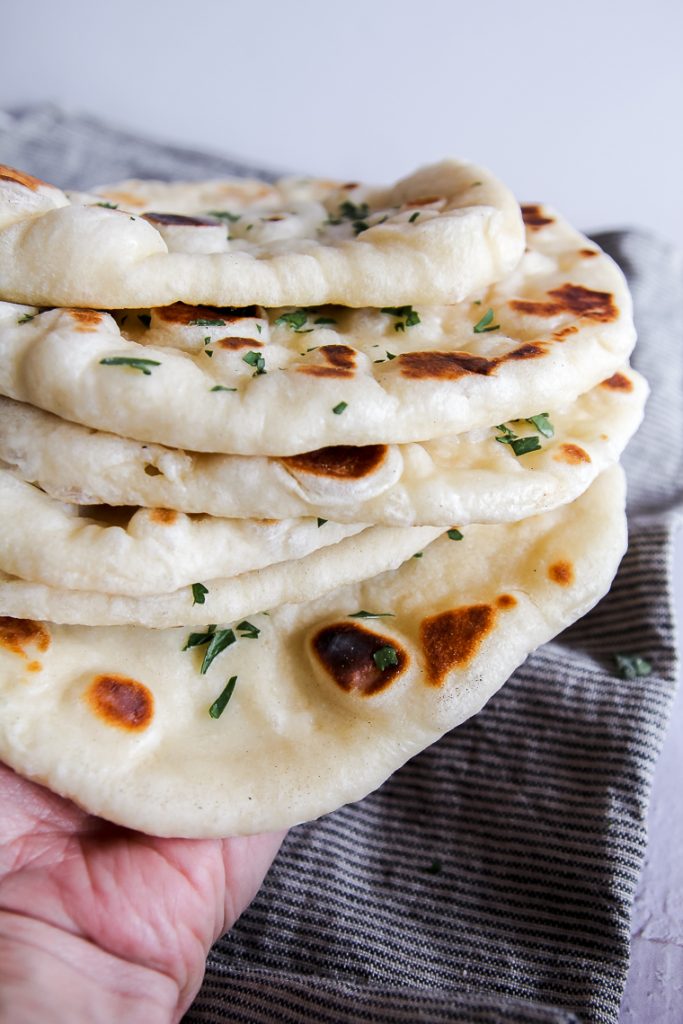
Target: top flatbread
[
  {"x": 269, "y": 382},
  {"x": 438, "y": 235}
]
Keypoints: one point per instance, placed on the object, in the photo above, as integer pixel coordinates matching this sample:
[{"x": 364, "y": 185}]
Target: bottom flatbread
[{"x": 326, "y": 702}]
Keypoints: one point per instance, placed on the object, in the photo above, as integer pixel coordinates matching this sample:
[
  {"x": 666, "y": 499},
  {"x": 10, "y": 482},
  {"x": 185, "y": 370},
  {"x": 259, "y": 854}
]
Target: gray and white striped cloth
[{"x": 491, "y": 879}]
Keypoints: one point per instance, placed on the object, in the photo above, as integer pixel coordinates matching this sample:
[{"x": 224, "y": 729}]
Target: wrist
[{"x": 56, "y": 977}]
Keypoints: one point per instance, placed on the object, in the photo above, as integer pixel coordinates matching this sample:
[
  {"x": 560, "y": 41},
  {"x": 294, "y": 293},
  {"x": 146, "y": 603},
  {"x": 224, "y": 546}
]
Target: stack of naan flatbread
[{"x": 292, "y": 477}]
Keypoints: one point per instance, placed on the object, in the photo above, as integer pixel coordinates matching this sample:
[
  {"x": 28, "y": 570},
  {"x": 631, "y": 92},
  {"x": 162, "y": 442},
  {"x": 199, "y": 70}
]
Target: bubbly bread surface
[
  {"x": 257, "y": 381},
  {"x": 438, "y": 235}
]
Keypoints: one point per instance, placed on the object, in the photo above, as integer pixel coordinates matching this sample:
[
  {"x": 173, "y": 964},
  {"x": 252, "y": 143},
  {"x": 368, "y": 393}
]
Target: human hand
[{"x": 100, "y": 923}]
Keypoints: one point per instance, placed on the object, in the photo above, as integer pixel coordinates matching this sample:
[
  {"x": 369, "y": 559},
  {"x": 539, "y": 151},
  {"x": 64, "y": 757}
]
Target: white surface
[{"x": 577, "y": 105}]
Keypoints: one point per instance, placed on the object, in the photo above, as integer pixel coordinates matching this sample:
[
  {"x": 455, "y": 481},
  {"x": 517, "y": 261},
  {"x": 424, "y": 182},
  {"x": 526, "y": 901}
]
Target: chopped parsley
[
  {"x": 108, "y": 206},
  {"x": 247, "y": 630},
  {"x": 485, "y": 325},
  {"x": 418, "y": 554},
  {"x": 407, "y": 316},
  {"x": 435, "y": 868},
  {"x": 199, "y": 592},
  {"x": 321, "y": 522},
  {"x": 219, "y": 640},
  {"x": 351, "y": 211},
  {"x": 143, "y": 365},
  {"x": 220, "y": 387},
  {"x": 413, "y": 217},
  {"x": 454, "y": 534},
  {"x": 324, "y": 320},
  {"x": 224, "y": 215},
  {"x": 295, "y": 320},
  {"x": 339, "y": 409},
  {"x": 198, "y": 639},
  {"x": 519, "y": 445},
  {"x": 26, "y": 318},
  {"x": 206, "y": 322},
  {"x": 256, "y": 360},
  {"x": 385, "y": 657},
  {"x": 542, "y": 424},
  {"x": 221, "y": 702},
  {"x": 362, "y": 614},
  {"x": 631, "y": 666},
  {"x": 144, "y": 319}
]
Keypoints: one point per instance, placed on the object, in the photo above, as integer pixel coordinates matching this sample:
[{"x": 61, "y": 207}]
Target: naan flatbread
[
  {"x": 141, "y": 551},
  {"x": 461, "y": 479},
  {"x": 438, "y": 235},
  {"x": 271, "y": 382},
  {"x": 325, "y": 705}
]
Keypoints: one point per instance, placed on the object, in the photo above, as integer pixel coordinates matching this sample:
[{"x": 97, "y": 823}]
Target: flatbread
[
  {"x": 141, "y": 551},
  {"x": 375, "y": 550},
  {"x": 454, "y": 480},
  {"x": 257, "y": 382},
  {"x": 438, "y": 235},
  {"x": 321, "y": 712}
]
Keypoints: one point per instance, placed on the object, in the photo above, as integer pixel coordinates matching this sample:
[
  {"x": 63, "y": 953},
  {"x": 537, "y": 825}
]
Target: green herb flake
[
  {"x": 321, "y": 522},
  {"x": 248, "y": 631},
  {"x": 221, "y": 639},
  {"x": 198, "y": 639},
  {"x": 224, "y": 215},
  {"x": 542, "y": 424},
  {"x": 354, "y": 212},
  {"x": 199, "y": 592},
  {"x": 631, "y": 666},
  {"x": 143, "y": 365},
  {"x": 413, "y": 217},
  {"x": 435, "y": 868},
  {"x": 259, "y": 327},
  {"x": 390, "y": 355},
  {"x": 144, "y": 318},
  {"x": 26, "y": 318},
  {"x": 220, "y": 387},
  {"x": 519, "y": 445},
  {"x": 454, "y": 534},
  {"x": 362, "y": 614},
  {"x": 485, "y": 324},
  {"x": 206, "y": 322},
  {"x": 525, "y": 445},
  {"x": 407, "y": 316},
  {"x": 108, "y": 206},
  {"x": 221, "y": 702},
  {"x": 256, "y": 360},
  {"x": 295, "y": 320},
  {"x": 385, "y": 657},
  {"x": 418, "y": 554},
  {"x": 339, "y": 409},
  {"x": 324, "y": 320}
]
